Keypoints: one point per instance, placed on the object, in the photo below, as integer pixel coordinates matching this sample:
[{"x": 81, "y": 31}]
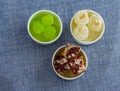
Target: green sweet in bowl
[{"x": 44, "y": 27}]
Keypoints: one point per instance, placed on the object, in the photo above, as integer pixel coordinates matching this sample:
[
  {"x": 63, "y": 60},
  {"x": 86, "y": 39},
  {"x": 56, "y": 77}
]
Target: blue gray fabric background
[{"x": 26, "y": 66}]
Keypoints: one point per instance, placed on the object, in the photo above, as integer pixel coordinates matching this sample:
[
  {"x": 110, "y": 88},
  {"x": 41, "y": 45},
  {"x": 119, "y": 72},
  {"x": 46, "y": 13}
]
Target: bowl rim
[
  {"x": 65, "y": 78},
  {"x": 91, "y": 42},
  {"x": 31, "y": 17}
]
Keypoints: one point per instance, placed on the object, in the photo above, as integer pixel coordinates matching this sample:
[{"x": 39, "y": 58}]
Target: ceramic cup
[
  {"x": 65, "y": 78},
  {"x": 39, "y": 12},
  {"x": 90, "y": 41}
]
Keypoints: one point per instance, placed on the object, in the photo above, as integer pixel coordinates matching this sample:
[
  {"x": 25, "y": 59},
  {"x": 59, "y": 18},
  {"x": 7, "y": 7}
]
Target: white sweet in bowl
[{"x": 87, "y": 27}]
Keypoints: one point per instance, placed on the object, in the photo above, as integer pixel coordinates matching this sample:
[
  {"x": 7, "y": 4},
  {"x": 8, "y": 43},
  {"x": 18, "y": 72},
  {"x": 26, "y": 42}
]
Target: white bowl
[
  {"x": 65, "y": 78},
  {"x": 87, "y": 42},
  {"x": 32, "y": 16}
]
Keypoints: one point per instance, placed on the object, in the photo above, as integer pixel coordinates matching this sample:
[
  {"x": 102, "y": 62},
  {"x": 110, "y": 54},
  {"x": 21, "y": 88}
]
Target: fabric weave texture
[{"x": 26, "y": 66}]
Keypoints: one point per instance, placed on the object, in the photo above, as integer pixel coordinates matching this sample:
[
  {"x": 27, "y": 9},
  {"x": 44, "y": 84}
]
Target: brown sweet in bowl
[{"x": 69, "y": 61}]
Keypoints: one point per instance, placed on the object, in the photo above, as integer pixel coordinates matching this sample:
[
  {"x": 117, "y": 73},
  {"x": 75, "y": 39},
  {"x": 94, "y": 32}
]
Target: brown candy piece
[
  {"x": 61, "y": 64},
  {"x": 71, "y": 51},
  {"x": 77, "y": 65}
]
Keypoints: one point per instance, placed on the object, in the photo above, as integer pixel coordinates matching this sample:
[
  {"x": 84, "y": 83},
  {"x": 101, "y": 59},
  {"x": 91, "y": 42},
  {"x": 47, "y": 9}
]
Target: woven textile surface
[{"x": 26, "y": 66}]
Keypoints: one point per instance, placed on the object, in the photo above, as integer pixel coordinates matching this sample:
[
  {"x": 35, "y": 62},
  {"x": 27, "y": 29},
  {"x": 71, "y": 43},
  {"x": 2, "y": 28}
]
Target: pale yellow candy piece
[
  {"x": 81, "y": 18},
  {"x": 95, "y": 23},
  {"x": 81, "y": 32}
]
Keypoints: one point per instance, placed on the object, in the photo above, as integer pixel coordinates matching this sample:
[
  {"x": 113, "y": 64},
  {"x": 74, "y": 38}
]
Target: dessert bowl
[
  {"x": 69, "y": 62},
  {"x": 87, "y": 27},
  {"x": 44, "y": 27}
]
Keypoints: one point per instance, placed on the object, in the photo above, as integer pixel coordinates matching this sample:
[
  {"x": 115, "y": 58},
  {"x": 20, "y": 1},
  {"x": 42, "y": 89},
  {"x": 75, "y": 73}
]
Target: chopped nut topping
[
  {"x": 96, "y": 22},
  {"x": 83, "y": 16}
]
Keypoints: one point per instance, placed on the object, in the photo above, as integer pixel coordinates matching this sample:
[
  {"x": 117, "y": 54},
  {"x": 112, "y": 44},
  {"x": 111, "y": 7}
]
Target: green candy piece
[
  {"x": 50, "y": 32},
  {"x": 38, "y": 27},
  {"x": 47, "y": 20}
]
